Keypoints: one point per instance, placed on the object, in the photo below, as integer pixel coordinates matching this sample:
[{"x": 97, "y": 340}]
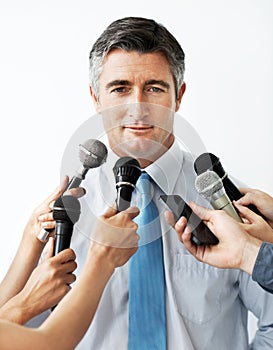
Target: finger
[
  {"x": 69, "y": 278},
  {"x": 58, "y": 190},
  {"x": 77, "y": 192},
  {"x": 246, "y": 213},
  {"x": 186, "y": 239},
  {"x": 169, "y": 218},
  {"x": 68, "y": 267},
  {"x": 250, "y": 197},
  {"x": 132, "y": 212},
  {"x": 46, "y": 217},
  {"x": 202, "y": 212},
  {"x": 65, "y": 256},
  {"x": 180, "y": 225},
  {"x": 111, "y": 211},
  {"x": 246, "y": 190},
  {"x": 49, "y": 226},
  {"x": 50, "y": 248}
]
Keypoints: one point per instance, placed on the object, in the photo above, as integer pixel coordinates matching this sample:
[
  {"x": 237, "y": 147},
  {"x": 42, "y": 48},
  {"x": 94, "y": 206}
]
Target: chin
[{"x": 146, "y": 149}]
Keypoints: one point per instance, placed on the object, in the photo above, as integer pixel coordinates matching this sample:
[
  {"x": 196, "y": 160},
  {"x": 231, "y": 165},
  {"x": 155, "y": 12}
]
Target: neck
[{"x": 149, "y": 158}]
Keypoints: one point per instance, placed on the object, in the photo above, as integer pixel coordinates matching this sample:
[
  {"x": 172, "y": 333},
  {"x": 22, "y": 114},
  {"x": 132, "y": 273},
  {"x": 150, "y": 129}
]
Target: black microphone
[
  {"x": 127, "y": 170},
  {"x": 66, "y": 212},
  {"x": 208, "y": 161},
  {"x": 92, "y": 153}
]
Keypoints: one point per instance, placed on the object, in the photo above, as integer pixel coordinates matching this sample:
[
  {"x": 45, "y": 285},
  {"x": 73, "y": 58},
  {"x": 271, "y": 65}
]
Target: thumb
[
  {"x": 110, "y": 211},
  {"x": 132, "y": 212},
  {"x": 246, "y": 213}
]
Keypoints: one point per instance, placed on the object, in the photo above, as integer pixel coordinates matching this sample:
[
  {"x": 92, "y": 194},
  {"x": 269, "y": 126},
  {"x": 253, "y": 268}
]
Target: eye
[
  {"x": 154, "y": 89},
  {"x": 120, "y": 89}
]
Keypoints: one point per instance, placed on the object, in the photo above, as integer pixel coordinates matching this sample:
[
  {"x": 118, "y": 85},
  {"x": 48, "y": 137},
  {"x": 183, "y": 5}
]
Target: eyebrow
[
  {"x": 158, "y": 82},
  {"x": 128, "y": 83},
  {"x": 118, "y": 82}
]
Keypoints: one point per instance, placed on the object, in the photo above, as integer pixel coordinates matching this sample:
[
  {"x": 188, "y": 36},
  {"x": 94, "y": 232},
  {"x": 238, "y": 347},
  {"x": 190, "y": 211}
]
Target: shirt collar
[{"x": 165, "y": 170}]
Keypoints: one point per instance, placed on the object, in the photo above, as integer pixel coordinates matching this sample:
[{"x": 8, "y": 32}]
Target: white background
[{"x": 45, "y": 97}]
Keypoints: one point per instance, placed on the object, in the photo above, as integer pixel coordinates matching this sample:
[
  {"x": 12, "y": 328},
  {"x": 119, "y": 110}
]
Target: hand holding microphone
[{"x": 66, "y": 210}]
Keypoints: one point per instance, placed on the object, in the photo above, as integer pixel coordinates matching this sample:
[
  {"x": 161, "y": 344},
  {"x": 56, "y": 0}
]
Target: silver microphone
[
  {"x": 92, "y": 153},
  {"x": 210, "y": 186}
]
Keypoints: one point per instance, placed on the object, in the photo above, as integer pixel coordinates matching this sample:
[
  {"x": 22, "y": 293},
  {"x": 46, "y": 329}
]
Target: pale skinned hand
[
  {"x": 42, "y": 215},
  {"x": 237, "y": 248},
  {"x": 115, "y": 236},
  {"x": 46, "y": 286},
  {"x": 262, "y": 200}
]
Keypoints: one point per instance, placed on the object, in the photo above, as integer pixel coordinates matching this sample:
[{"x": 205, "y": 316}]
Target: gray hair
[{"x": 137, "y": 34}]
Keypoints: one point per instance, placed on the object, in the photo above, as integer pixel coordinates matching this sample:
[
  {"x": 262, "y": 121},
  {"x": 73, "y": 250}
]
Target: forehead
[{"x": 119, "y": 62}]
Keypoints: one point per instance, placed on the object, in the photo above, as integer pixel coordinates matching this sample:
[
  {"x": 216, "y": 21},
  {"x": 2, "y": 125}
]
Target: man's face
[{"x": 137, "y": 101}]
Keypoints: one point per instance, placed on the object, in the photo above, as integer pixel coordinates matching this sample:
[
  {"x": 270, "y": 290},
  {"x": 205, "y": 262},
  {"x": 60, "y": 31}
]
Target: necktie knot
[{"x": 145, "y": 189}]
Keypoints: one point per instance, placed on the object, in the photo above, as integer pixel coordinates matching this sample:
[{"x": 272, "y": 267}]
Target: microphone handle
[
  {"x": 77, "y": 179},
  {"x": 63, "y": 234},
  {"x": 74, "y": 182},
  {"x": 224, "y": 203},
  {"x": 124, "y": 196},
  {"x": 234, "y": 194}
]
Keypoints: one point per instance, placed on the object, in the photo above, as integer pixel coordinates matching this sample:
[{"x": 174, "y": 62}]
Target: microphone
[
  {"x": 66, "y": 212},
  {"x": 208, "y": 161},
  {"x": 127, "y": 170},
  {"x": 92, "y": 154},
  {"x": 211, "y": 187}
]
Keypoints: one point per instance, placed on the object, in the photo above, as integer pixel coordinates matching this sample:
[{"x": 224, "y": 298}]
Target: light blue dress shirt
[{"x": 206, "y": 307}]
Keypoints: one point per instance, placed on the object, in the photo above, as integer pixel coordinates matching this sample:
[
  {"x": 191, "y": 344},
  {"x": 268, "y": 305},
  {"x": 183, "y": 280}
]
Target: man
[{"x": 136, "y": 82}]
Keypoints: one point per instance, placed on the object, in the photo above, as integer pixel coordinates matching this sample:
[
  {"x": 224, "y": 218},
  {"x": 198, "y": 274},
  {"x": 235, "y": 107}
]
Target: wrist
[
  {"x": 14, "y": 311},
  {"x": 98, "y": 256},
  {"x": 249, "y": 254}
]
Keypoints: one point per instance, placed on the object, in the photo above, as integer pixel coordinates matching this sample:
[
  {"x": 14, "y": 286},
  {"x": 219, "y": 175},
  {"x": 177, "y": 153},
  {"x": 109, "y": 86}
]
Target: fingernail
[
  {"x": 187, "y": 230},
  {"x": 180, "y": 222}
]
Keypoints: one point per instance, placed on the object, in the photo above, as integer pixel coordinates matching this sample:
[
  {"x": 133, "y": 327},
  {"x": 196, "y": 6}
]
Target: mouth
[{"x": 138, "y": 128}]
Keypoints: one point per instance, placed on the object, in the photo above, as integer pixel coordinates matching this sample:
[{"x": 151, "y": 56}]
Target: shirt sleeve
[
  {"x": 263, "y": 269},
  {"x": 260, "y": 303}
]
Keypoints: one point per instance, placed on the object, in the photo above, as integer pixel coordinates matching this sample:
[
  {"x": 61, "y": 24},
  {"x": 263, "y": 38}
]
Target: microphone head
[
  {"x": 208, "y": 161},
  {"x": 66, "y": 208},
  {"x": 208, "y": 183},
  {"x": 92, "y": 153},
  {"x": 127, "y": 169}
]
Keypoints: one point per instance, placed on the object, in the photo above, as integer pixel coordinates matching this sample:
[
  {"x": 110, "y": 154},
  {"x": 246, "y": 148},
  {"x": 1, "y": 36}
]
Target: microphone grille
[
  {"x": 92, "y": 153},
  {"x": 208, "y": 183},
  {"x": 66, "y": 208},
  {"x": 127, "y": 169}
]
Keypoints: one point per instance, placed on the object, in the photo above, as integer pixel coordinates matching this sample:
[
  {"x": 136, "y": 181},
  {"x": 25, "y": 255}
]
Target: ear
[
  {"x": 95, "y": 99},
  {"x": 179, "y": 97}
]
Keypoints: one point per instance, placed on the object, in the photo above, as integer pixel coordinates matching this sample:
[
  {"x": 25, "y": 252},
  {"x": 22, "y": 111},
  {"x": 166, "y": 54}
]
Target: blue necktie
[{"x": 147, "y": 320}]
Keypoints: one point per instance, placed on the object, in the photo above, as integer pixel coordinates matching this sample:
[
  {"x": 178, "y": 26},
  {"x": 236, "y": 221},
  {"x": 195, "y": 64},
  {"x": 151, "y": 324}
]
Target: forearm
[
  {"x": 14, "y": 311},
  {"x": 75, "y": 312},
  {"x": 250, "y": 253},
  {"x": 25, "y": 260}
]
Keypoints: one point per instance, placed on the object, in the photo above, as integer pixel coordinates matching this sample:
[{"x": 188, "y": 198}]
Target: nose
[
  {"x": 138, "y": 108},
  {"x": 138, "y": 111}
]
